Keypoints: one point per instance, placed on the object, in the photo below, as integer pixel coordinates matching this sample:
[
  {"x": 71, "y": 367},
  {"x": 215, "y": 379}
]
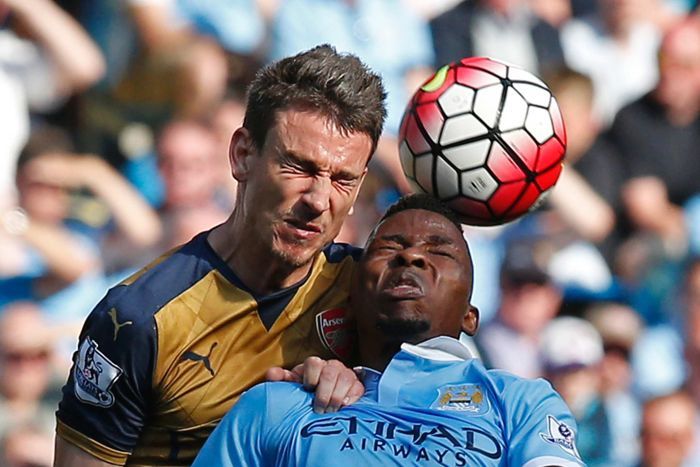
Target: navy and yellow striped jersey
[{"x": 167, "y": 352}]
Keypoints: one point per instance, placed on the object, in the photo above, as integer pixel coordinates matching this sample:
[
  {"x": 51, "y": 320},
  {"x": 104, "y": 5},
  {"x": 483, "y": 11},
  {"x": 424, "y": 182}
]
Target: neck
[
  {"x": 377, "y": 353},
  {"x": 250, "y": 260},
  {"x": 683, "y": 115}
]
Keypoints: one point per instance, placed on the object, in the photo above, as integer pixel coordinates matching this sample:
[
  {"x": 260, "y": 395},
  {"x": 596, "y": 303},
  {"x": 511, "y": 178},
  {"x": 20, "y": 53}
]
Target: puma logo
[
  {"x": 117, "y": 326},
  {"x": 189, "y": 355}
]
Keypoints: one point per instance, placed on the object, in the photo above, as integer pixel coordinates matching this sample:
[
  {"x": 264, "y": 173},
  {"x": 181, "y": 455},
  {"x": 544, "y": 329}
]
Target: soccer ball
[{"x": 485, "y": 137}]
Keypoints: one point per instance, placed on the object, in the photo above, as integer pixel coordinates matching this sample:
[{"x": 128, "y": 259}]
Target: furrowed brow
[{"x": 440, "y": 240}]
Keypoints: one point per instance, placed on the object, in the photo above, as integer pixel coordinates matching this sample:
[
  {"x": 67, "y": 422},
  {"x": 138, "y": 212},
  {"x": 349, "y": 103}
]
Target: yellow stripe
[
  {"x": 132, "y": 278},
  {"x": 92, "y": 447},
  {"x": 437, "y": 81}
]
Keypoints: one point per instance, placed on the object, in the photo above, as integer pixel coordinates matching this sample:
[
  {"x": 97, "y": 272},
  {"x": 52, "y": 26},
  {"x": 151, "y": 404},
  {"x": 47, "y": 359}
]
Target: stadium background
[{"x": 122, "y": 118}]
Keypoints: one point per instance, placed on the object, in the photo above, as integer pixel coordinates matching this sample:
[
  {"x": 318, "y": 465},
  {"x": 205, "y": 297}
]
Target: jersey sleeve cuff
[{"x": 92, "y": 447}]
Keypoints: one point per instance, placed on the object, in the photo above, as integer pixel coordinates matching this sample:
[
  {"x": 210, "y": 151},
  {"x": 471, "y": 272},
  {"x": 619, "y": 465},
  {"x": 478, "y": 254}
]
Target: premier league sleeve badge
[{"x": 94, "y": 375}]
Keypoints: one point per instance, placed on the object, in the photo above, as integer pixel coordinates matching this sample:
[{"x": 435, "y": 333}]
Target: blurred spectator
[
  {"x": 616, "y": 47},
  {"x": 429, "y": 10},
  {"x": 56, "y": 236},
  {"x": 571, "y": 351},
  {"x": 529, "y": 300},
  {"x": 389, "y": 37},
  {"x": 668, "y": 430},
  {"x": 226, "y": 119},
  {"x": 554, "y": 12},
  {"x": 658, "y": 358},
  {"x": 503, "y": 29},
  {"x": 165, "y": 63},
  {"x": 27, "y": 446},
  {"x": 189, "y": 164},
  {"x": 691, "y": 299},
  {"x": 25, "y": 370},
  {"x": 592, "y": 174},
  {"x": 666, "y": 121},
  {"x": 619, "y": 326},
  {"x": 44, "y": 57},
  {"x": 47, "y": 254},
  {"x": 184, "y": 68}
]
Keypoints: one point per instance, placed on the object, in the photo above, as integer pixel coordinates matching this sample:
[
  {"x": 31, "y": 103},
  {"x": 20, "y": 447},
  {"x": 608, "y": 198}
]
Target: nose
[
  {"x": 317, "y": 197},
  {"x": 411, "y": 256}
]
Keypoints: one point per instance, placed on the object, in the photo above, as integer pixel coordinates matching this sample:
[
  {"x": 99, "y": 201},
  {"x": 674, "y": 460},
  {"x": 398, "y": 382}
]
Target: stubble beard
[
  {"x": 287, "y": 256},
  {"x": 403, "y": 329}
]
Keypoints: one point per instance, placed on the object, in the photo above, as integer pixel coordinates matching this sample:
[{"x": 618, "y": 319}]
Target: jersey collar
[
  {"x": 442, "y": 348},
  {"x": 437, "y": 349}
]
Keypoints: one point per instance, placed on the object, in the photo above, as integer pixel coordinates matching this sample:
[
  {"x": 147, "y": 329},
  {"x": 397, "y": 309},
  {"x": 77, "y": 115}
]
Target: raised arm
[
  {"x": 132, "y": 215},
  {"x": 77, "y": 59}
]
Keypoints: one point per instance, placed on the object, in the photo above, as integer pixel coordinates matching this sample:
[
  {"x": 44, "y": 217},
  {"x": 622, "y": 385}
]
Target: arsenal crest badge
[{"x": 336, "y": 332}]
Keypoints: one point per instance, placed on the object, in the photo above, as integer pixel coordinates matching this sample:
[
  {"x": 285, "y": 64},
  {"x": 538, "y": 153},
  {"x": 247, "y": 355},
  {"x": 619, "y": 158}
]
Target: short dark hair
[
  {"x": 43, "y": 140},
  {"x": 565, "y": 79},
  {"x": 337, "y": 85},
  {"x": 425, "y": 202}
]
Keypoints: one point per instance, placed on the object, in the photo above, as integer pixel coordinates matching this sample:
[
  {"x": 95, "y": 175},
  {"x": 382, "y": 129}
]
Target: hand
[
  {"x": 65, "y": 170},
  {"x": 646, "y": 202},
  {"x": 335, "y": 384}
]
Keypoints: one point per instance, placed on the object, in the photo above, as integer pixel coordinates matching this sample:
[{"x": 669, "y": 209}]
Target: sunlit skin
[
  {"x": 413, "y": 283},
  {"x": 293, "y": 196},
  {"x": 667, "y": 431},
  {"x": 678, "y": 89}
]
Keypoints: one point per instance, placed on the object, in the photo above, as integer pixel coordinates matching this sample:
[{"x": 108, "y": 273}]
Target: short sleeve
[
  {"x": 242, "y": 436},
  {"x": 105, "y": 400},
  {"x": 542, "y": 431}
]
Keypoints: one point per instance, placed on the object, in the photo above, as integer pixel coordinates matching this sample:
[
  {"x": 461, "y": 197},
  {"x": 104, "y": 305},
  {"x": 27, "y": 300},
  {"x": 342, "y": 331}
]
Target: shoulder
[
  {"x": 456, "y": 15},
  {"x": 527, "y": 393},
  {"x": 273, "y": 402},
  {"x": 144, "y": 293}
]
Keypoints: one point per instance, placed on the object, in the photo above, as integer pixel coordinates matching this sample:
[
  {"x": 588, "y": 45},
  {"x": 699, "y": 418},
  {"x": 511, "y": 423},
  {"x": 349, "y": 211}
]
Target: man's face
[
  {"x": 679, "y": 67},
  {"x": 667, "y": 433},
  {"x": 187, "y": 160},
  {"x": 299, "y": 187},
  {"x": 414, "y": 280}
]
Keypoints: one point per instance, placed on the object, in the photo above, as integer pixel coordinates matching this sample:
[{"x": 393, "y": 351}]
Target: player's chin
[
  {"x": 407, "y": 327},
  {"x": 296, "y": 254}
]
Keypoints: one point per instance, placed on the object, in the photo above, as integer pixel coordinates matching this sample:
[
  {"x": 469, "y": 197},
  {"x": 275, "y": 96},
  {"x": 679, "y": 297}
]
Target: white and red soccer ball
[{"x": 485, "y": 137}]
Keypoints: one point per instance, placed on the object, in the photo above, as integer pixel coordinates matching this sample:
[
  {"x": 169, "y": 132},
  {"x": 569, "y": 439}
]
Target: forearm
[
  {"x": 134, "y": 217},
  {"x": 581, "y": 207},
  {"x": 76, "y": 57},
  {"x": 157, "y": 34},
  {"x": 63, "y": 255}
]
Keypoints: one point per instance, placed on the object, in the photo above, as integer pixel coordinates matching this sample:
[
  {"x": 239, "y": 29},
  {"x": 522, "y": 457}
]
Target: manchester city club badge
[{"x": 467, "y": 398}]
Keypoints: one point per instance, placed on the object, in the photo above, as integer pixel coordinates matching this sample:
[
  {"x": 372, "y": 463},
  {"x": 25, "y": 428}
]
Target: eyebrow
[{"x": 435, "y": 240}]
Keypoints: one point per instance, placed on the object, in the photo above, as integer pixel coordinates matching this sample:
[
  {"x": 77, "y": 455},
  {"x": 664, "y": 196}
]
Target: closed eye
[{"x": 445, "y": 253}]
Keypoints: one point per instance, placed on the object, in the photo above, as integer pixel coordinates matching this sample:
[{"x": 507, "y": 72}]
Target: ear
[
  {"x": 470, "y": 322},
  {"x": 240, "y": 151}
]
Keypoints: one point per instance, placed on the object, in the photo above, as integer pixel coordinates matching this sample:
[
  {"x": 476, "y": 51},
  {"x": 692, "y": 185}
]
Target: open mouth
[
  {"x": 404, "y": 286},
  {"x": 302, "y": 230}
]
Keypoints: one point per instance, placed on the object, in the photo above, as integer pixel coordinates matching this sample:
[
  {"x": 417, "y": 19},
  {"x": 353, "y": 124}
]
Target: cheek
[{"x": 341, "y": 204}]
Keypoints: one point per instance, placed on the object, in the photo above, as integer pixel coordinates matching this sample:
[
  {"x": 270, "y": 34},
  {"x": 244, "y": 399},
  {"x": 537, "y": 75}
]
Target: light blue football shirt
[{"x": 435, "y": 404}]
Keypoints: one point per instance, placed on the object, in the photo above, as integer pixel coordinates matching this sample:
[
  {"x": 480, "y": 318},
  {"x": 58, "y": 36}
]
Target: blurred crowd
[{"x": 115, "y": 118}]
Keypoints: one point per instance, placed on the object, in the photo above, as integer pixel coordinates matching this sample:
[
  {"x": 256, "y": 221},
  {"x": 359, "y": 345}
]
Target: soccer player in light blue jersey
[{"x": 428, "y": 400}]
